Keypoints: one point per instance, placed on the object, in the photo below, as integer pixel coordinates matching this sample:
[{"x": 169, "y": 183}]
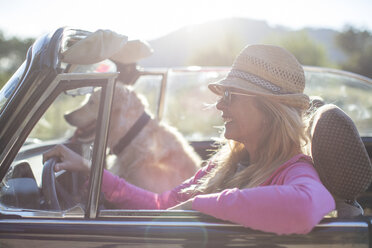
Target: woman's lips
[{"x": 227, "y": 119}]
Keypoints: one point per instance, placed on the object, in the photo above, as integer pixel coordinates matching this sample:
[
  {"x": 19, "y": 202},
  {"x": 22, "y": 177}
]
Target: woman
[{"x": 260, "y": 177}]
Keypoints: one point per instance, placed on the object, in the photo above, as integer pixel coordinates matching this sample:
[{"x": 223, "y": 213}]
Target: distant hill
[{"x": 176, "y": 48}]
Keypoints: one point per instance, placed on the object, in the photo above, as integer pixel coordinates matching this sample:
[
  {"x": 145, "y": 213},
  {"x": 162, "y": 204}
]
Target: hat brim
[{"x": 296, "y": 100}]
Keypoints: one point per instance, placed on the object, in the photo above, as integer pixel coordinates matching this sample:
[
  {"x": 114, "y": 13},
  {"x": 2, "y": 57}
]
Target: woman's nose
[{"x": 220, "y": 104}]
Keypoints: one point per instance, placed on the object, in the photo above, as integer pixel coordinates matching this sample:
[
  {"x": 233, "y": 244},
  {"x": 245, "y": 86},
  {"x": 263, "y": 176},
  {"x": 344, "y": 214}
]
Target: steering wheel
[{"x": 54, "y": 193}]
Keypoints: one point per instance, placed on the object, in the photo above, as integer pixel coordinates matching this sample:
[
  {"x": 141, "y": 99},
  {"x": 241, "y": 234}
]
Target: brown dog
[{"x": 158, "y": 158}]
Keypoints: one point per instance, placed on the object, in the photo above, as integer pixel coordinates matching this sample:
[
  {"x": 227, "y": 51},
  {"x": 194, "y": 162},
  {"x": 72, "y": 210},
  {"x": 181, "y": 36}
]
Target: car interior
[{"x": 341, "y": 157}]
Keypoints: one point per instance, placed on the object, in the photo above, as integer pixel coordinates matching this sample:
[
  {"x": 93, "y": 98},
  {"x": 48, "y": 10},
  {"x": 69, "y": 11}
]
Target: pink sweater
[{"x": 292, "y": 200}]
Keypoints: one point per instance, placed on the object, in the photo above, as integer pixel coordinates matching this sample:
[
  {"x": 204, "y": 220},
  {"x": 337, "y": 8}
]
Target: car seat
[{"x": 340, "y": 158}]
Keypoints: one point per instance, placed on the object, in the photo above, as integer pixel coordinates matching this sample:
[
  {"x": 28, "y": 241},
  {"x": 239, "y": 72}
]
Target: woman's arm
[
  {"x": 127, "y": 196},
  {"x": 295, "y": 206}
]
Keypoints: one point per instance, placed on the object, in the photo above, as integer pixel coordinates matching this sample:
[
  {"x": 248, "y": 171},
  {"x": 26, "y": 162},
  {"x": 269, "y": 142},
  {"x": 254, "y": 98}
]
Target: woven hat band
[
  {"x": 288, "y": 75},
  {"x": 256, "y": 80}
]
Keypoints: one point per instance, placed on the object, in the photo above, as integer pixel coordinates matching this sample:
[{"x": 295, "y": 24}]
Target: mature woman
[{"x": 260, "y": 177}]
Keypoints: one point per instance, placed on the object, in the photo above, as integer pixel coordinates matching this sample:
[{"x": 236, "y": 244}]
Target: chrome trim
[
  {"x": 99, "y": 151},
  {"x": 227, "y": 69},
  {"x": 167, "y": 214},
  {"x": 338, "y": 72},
  {"x": 343, "y": 224},
  {"x": 164, "y": 74},
  {"x": 162, "y": 223},
  {"x": 91, "y": 75},
  {"x": 74, "y": 212},
  {"x": 160, "y": 107}
]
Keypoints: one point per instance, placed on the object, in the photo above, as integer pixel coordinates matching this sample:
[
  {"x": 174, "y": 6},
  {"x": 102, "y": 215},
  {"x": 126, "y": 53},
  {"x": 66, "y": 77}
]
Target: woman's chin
[{"x": 229, "y": 135}]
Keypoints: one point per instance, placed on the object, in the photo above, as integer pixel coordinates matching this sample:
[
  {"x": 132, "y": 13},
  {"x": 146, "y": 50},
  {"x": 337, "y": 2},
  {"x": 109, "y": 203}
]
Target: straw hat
[{"x": 267, "y": 70}]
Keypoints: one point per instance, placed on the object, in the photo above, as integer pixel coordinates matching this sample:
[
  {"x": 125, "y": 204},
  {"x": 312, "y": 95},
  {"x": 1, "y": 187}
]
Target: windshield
[
  {"x": 7, "y": 91},
  {"x": 188, "y": 99},
  {"x": 348, "y": 91}
]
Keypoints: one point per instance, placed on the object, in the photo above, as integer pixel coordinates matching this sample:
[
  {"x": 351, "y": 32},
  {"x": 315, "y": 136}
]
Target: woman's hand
[
  {"x": 67, "y": 159},
  {"x": 187, "y": 205}
]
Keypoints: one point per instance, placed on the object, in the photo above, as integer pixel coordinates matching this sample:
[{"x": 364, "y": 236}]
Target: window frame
[{"x": 63, "y": 82}]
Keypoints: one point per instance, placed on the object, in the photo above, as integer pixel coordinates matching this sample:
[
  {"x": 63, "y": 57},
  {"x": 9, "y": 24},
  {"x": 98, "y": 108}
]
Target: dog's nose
[{"x": 68, "y": 118}]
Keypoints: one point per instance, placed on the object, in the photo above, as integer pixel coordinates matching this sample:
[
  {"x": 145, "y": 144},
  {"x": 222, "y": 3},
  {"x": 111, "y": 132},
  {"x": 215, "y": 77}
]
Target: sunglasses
[{"x": 226, "y": 97}]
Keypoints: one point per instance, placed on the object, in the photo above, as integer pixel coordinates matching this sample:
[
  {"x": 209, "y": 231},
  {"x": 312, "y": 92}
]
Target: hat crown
[{"x": 274, "y": 64}]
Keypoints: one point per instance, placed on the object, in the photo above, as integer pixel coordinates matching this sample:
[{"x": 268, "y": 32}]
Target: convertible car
[{"x": 42, "y": 208}]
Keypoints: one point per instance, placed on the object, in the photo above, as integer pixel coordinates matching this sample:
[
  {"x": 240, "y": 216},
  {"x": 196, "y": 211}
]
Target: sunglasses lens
[{"x": 226, "y": 97}]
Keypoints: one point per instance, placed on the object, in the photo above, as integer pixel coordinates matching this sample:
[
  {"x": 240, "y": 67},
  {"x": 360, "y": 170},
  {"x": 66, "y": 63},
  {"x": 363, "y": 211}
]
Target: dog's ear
[
  {"x": 121, "y": 95},
  {"x": 120, "y": 92}
]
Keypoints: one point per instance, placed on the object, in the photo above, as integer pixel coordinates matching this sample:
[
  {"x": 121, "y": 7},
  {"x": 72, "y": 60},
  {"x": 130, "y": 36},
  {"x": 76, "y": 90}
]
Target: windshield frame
[{"x": 10, "y": 87}]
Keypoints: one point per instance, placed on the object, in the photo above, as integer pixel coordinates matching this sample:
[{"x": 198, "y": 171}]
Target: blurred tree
[
  {"x": 305, "y": 49},
  {"x": 357, "y": 45},
  {"x": 12, "y": 54},
  {"x": 219, "y": 51}
]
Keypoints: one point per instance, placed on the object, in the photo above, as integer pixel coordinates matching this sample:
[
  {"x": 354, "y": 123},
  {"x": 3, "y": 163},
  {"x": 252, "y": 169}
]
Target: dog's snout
[{"x": 68, "y": 118}]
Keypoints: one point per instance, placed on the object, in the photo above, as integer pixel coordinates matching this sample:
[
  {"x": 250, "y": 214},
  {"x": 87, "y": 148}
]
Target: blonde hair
[{"x": 285, "y": 132}]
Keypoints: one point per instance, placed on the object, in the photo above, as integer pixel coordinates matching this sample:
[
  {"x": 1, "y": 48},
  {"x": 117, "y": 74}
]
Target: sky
[{"x": 150, "y": 19}]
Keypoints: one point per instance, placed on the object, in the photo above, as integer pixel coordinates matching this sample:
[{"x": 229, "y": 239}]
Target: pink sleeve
[
  {"x": 127, "y": 196},
  {"x": 295, "y": 206}
]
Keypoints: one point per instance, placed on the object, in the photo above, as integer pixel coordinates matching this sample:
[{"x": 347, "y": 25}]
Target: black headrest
[{"x": 339, "y": 154}]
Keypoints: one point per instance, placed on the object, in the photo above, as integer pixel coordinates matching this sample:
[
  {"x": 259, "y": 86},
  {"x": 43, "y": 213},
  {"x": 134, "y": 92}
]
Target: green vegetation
[
  {"x": 12, "y": 54},
  {"x": 306, "y": 50},
  {"x": 52, "y": 124},
  {"x": 357, "y": 44}
]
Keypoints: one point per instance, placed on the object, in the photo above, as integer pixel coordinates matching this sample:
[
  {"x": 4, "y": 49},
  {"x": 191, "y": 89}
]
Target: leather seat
[{"x": 340, "y": 158}]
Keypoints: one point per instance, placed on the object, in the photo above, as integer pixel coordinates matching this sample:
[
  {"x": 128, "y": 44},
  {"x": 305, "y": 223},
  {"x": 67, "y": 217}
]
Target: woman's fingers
[
  {"x": 67, "y": 159},
  {"x": 53, "y": 152},
  {"x": 59, "y": 167}
]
